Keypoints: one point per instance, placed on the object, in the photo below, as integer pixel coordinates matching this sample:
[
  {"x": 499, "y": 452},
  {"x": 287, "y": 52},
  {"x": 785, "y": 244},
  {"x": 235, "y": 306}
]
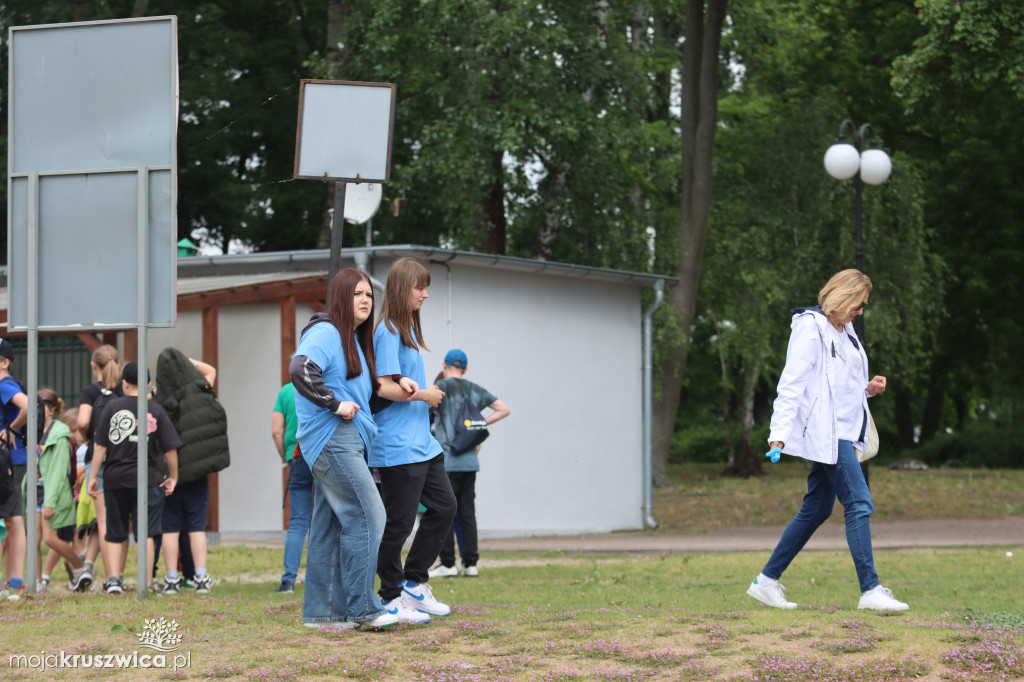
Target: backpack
[
  {"x": 105, "y": 396},
  {"x": 6, "y": 474},
  {"x": 470, "y": 429}
]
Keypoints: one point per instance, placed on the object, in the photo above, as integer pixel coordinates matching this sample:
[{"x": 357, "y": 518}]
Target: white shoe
[
  {"x": 881, "y": 599},
  {"x": 471, "y": 572},
  {"x": 332, "y": 625},
  {"x": 443, "y": 571},
  {"x": 384, "y": 620},
  {"x": 420, "y": 597},
  {"x": 770, "y": 595},
  {"x": 81, "y": 580},
  {"x": 397, "y": 607}
]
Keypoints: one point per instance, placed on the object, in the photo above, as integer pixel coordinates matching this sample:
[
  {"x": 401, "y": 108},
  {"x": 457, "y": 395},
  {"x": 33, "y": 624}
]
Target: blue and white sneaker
[
  {"x": 398, "y": 607},
  {"x": 420, "y": 597}
]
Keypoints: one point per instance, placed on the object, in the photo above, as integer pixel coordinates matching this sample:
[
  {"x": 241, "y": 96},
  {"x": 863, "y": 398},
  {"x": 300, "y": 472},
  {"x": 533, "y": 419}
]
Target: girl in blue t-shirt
[
  {"x": 14, "y": 404},
  {"x": 334, "y": 376},
  {"x": 408, "y": 458}
]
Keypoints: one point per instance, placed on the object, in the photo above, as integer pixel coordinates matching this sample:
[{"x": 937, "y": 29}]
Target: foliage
[{"x": 995, "y": 445}]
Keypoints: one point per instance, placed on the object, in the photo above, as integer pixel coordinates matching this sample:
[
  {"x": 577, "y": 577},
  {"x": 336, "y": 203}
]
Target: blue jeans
[
  {"x": 344, "y": 536},
  {"x": 825, "y": 483},
  {"x": 300, "y": 496}
]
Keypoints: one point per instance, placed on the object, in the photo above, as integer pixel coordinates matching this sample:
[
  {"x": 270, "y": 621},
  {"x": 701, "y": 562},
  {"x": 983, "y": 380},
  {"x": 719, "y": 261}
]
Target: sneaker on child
[
  {"x": 443, "y": 571},
  {"x": 203, "y": 584},
  {"x": 470, "y": 572},
  {"x": 81, "y": 579},
  {"x": 286, "y": 586},
  {"x": 114, "y": 586},
  {"x": 770, "y": 595},
  {"x": 172, "y": 585},
  {"x": 881, "y": 599},
  {"x": 420, "y": 597},
  {"x": 398, "y": 608}
]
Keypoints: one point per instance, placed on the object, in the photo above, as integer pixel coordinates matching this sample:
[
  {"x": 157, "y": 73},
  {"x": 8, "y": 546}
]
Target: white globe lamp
[
  {"x": 875, "y": 166},
  {"x": 842, "y": 161}
]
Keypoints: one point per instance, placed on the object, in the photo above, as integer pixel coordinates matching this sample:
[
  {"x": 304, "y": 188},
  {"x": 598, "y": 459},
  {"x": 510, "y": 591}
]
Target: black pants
[
  {"x": 403, "y": 488},
  {"x": 464, "y": 487}
]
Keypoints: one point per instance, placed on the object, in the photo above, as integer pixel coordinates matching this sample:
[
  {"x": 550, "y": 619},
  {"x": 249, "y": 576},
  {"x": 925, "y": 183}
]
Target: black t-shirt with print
[{"x": 117, "y": 431}]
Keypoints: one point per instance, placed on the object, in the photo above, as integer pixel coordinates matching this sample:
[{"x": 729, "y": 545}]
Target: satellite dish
[{"x": 362, "y": 201}]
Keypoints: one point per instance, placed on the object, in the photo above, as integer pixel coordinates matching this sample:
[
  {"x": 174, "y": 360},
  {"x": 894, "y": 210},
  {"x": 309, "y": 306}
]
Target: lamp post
[{"x": 844, "y": 160}]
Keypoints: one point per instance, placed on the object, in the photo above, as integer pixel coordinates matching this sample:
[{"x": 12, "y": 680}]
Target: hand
[
  {"x": 876, "y": 385},
  {"x": 94, "y": 488},
  {"x": 776, "y": 444},
  {"x": 347, "y": 410},
  {"x": 431, "y": 396},
  {"x": 168, "y": 486},
  {"x": 48, "y": 513},
  {"x": 409, "y": 386}
]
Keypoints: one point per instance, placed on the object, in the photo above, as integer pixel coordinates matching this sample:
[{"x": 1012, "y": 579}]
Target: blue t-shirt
[
  {"x": 403, "y": 427},
  {"x": 322, "y": 345},
  {"x": 8, "y": 389}
]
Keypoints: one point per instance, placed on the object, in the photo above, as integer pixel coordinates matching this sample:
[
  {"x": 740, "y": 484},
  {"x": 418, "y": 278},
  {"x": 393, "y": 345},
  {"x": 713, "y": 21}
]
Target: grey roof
[{"x": 267, "y": 266}]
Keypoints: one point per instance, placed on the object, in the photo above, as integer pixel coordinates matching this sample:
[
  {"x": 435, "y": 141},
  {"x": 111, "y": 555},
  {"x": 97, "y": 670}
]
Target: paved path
[
  {"x": 889, "y": 535},
  {"x": 832, "y": 535}
]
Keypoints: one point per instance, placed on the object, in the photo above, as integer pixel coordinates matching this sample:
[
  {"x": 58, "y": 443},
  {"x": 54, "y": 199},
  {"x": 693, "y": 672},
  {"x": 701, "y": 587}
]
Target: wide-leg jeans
[
  {"x": 300, "y": 501},
  {"x": 344, "y": 536},
  {"x": 825, "y": 483}
]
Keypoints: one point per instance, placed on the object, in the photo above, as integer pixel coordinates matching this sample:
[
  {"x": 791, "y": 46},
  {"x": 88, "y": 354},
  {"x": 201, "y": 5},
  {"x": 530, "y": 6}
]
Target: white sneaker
[
  {"x": 81, "y": 580},
  {"x": 332, "y": 625},
  {"x": 881, "y": 599},
  {"x": 397, "y": 607},
  {"x": 770, "y": 595},
  {"x": 384, "y": 620},
  {"x": 443, "y": 571},
  {"x": 471, "y": 572},
  {"x": 420, "y": 597}
]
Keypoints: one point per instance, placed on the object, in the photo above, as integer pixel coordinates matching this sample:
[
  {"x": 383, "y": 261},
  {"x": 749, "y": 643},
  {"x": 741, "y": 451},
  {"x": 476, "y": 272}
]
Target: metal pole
[
  {"x": 337, "y": 228},
  {"x": 142, "y": 479},
  {"x": 648, "y": 405},
  {"x": 32, "y": 379}
]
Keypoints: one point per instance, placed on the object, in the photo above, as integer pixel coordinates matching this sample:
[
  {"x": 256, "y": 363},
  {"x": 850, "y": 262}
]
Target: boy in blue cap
[{"x": 461, "y": 466}]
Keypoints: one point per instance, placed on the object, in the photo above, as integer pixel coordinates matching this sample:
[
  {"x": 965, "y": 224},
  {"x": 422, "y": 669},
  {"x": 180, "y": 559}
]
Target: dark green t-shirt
[{"x": 457, "y": 392}]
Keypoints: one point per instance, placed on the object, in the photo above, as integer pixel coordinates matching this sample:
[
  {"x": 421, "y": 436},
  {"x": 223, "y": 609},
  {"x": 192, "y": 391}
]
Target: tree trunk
[
  {"x": 904, "y": 419},
  {"x": 699, "y": 118},
  {"x": 139, "y": 8},
  {"x": 725, "y": 389},
  {"x": 83, "y": 10},
  {"x": 494, "y": 207},
  {"x": 748, "y": 461},
  {"x": 337, "y": 18}
]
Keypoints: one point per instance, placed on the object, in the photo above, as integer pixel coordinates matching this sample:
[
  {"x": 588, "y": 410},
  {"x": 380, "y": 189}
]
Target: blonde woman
[
  {"x": 821, "y": 414},
  {"x": 107, "y": 386}
]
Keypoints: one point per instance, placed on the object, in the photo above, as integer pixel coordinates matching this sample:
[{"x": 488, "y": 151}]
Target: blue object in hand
[{"x": 773, "y": 454}]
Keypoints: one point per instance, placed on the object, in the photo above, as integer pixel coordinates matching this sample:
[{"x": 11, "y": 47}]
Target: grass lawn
[{"x": 534, "y": 617}]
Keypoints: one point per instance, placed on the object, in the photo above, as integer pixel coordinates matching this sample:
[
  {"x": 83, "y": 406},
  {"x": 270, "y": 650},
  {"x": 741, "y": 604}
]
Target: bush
[
  {"x": 705, "y": 443},
  {"x": 990, "y": 445}
]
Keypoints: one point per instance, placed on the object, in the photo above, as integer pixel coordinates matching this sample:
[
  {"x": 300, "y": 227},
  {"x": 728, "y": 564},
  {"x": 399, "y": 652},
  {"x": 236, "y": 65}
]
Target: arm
[
  {"x": 208, "y": 371},
  {"x": 98, "y": 453},
  {"x": 500, "y": 412},
  {"x": 876, "y": 386},
  {"x": 398, "y": 390},
  {"x": 20, "y": 400},
  {"x": 84, "y": 417},
  {"x": 172, "y": 471},
  {"x": 308, "y": 380},
  {"x": 277, "y": 433},
  {"x": 801, "y": 356}
]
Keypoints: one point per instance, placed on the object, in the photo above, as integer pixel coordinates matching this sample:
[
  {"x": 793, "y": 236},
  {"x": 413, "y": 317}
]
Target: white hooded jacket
[{"x": 804, "y": 413}]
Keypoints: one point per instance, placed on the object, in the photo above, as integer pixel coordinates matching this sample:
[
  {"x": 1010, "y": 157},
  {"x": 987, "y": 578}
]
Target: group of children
[{"x": 87, "y": 502}]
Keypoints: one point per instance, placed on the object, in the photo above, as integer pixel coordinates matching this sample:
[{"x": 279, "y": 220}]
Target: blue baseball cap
[{"x": 456, "y": 358}]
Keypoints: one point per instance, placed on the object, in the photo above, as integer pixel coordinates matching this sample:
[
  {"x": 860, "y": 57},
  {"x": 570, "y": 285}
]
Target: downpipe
[{"x": 648, "y": 405}]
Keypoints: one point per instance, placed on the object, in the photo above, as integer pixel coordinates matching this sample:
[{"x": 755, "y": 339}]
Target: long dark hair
[
  {"x": 342, "y": 312},
  {"x": 405, "y": 274}
]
